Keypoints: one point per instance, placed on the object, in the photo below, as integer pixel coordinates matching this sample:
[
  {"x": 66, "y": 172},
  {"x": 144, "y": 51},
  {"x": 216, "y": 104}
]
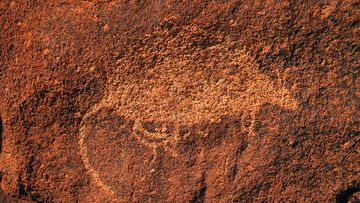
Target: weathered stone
[{"x": 179, "y": 101}]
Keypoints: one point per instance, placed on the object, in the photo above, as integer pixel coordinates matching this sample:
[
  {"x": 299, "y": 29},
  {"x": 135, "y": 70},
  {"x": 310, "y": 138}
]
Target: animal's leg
[
  {"x": 248, "y": 122},
  {"x": 155, "y": 139},
  {"x": 138, "y": 127}
]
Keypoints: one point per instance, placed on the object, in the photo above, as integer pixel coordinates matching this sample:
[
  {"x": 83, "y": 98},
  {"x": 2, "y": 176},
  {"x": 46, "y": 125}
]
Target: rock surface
[{"x": 180, "y": 101}]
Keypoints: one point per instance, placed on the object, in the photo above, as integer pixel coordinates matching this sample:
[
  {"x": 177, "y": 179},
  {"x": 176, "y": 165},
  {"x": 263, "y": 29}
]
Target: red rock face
[{"x": 179, "y": 101}]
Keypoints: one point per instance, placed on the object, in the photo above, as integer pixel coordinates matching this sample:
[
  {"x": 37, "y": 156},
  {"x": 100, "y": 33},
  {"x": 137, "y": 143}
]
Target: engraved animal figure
[{"x": 177, "y": 91}]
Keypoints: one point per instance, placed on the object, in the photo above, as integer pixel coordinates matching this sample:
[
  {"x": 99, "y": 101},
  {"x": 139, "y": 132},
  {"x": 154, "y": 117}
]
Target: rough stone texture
[{"x": 180, "y": 101}]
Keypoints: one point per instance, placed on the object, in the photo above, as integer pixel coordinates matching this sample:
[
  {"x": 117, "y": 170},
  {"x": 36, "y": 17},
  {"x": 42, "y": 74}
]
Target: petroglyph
[{"x": 178, "y": 92}]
